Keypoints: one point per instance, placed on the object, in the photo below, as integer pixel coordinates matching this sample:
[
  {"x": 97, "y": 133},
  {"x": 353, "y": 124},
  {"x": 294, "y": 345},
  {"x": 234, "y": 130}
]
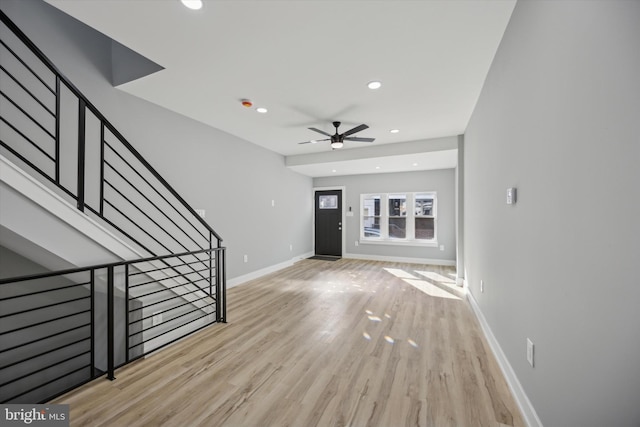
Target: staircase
[{"x": 129, "y": 267}]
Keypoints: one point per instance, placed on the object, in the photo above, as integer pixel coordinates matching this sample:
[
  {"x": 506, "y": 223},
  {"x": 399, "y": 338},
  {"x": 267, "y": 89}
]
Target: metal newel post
[{"x": 110, "y": 320}]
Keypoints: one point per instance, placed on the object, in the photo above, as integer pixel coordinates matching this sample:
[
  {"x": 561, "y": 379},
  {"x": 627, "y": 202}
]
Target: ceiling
[{"x": 308, "y": 62}]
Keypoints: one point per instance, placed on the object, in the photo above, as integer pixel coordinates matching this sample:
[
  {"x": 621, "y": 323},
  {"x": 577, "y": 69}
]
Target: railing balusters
[{"x": 72, "y": 317}]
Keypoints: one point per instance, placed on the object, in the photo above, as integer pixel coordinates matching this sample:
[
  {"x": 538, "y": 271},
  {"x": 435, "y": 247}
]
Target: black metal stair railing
[
  {"x": 62, "y": 329},
  {"x": 49, "y": 129},
  {"x": 89, "y": 161}
]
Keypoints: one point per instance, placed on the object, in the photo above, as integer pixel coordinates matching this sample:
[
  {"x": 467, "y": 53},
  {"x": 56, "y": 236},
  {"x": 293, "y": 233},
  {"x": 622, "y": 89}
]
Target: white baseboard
[
  {"x": 401, "y": 259},
  {"x": 527, "y": 409},
  {"x": 264, "y": 271}
]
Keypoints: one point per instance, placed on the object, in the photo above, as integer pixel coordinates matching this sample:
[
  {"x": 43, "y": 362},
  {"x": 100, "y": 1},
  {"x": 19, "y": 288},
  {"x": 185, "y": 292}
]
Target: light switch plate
[{"x": 511, "y": 196}]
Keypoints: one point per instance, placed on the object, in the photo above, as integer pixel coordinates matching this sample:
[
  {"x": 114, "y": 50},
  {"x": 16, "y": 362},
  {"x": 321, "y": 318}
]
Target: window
[{"x": 399, "y": 218}]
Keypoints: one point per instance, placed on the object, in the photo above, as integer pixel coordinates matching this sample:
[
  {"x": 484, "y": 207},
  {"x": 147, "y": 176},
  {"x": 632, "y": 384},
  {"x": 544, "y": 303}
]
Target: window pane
[
  {"x": 398, "y": 228},
  {"x": 425, "y": 228},
  {"x": 371, "y": 227},
  {"x": 424, "y": 205},
  {"x": 371, "y": 206},
  {"x": 397, "y": 205},
  {"x": 328, "y": 202}
]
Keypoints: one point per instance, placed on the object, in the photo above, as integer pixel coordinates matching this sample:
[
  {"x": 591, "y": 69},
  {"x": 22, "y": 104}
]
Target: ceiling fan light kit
[{"x": 337, "y": 139}]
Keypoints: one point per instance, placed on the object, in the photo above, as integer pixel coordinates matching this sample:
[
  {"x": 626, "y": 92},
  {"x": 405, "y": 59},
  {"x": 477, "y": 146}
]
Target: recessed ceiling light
[
  {"x": 394, "y": 130},
  {"x": 192, "y": 4},
  {"x": 377, "y": 167},
  {"x": 334, "y": 171},
  {"x": 261, "y": 110},
  {"x": 415, "y": 164},
  {"x": 314, "y": 141},
  {"x": 374, "y": 85}
]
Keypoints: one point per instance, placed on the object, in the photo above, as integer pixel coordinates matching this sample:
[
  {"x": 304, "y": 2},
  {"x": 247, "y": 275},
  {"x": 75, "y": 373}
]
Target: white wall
[
  {"x": 442, "y": 181},
  {"x": 558, "y": 119},
  {"x": 232, "y": 179}
]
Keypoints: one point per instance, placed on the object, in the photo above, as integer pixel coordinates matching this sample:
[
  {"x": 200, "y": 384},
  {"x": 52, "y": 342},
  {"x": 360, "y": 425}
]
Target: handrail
[{"x": 42, "y": 57}]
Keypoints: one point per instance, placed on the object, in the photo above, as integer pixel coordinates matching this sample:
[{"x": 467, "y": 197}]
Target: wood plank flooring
[{"x": 344, "y": 343}]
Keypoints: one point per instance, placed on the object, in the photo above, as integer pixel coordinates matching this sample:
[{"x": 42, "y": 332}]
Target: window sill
[{"x": 395, "y": 242}]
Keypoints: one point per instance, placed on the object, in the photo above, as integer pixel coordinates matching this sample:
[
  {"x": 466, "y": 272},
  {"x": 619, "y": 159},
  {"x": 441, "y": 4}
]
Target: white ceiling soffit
[
  {"x": 308, "y": 62},
  {"x": 446, "y": 159}
]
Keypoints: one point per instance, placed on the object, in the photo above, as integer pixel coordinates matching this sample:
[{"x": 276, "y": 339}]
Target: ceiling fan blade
[
  {"x": 356, "y": 129},
  {"x": 314, "y": 140},
  {"x": 320, "y": 131},
  {"x": 355, "y": 138}
]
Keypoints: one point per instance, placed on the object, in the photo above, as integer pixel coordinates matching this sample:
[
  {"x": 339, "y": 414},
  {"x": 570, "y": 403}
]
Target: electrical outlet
[
  {"x": 290, "y": 247},
  {"x": 157, "y": 318},
  {"x": 273, "y": 203},
  {"x": 200, "y": 212},
  {"x": 356, "y": 243},
  {"x": 246, "y": 258},
  {"x": 442, "y": 247},
  {"x": 530, "y": 352},
  {"x": 481, "y": 286}
]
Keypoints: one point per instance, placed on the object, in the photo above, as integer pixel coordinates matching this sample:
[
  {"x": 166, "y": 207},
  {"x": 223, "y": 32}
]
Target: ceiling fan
[{"x": 337, "y": 139}]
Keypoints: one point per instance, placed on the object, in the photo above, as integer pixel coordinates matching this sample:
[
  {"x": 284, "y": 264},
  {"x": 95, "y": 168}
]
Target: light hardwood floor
[{"x": 344, "y": 343}]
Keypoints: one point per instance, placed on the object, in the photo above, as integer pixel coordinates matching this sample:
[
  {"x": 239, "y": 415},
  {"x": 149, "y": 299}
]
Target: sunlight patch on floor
[
  {"x": 430, "y": 289},
  {"x": 400, "y": 273}
]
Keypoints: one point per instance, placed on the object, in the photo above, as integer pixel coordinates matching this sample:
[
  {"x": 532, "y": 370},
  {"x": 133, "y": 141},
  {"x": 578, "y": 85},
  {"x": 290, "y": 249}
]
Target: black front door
[{"x": 328, "y": 227}]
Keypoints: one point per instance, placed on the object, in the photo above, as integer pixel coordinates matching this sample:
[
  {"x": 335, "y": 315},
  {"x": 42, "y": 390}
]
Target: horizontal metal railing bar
[
  {"x": 167, "y": 278},
  {"x": 24, "y": 88},
  {"x": 125, "y": 216},
  {"x": 156, "y": 175},
  {"x": 36, "y": 75},
  {"x": 118, "y": 228},
  {"x": 45, "y": 368},
  {"x": 168, "y": 288},
  {"x": 16, "y": 130},
  {"x": 165, "y": 300},
  {"x": 171, "y": 330},
  {"x": 142, "y": 229},
  {"x": 50, "y": 350},
  {"x": 47, "y": 383},
  {"x": 170, "y": 320},
  {"x": 44, "y": 291},
  {"x": 24, "y": 344},
  {"x": 44, "y": 322},
  {"x": 174, "y": 307},
  {"x": 44, "y": 306},
  {"x": 22, "y": 110},
  {"x": 165, "y": 268},
  {"x": 152, "y": 187},
  {"x": 104, "y": 266},
  {"x": 135, "y": 205},
  {"x": 193, "y": 253},
  {"x": 93, "y": 375},
  {"x": 37, "y": 169}
]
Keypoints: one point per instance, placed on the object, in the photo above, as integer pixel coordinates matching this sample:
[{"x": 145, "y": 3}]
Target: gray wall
[
  {"x": 232, "y": 179},
  {"x": 441, "y": 181},
  {"x": 558, "y": 119}
]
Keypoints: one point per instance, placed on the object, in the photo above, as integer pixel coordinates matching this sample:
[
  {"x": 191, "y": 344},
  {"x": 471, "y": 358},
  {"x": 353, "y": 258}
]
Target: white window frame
[{"x": 410, "y": 240}]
